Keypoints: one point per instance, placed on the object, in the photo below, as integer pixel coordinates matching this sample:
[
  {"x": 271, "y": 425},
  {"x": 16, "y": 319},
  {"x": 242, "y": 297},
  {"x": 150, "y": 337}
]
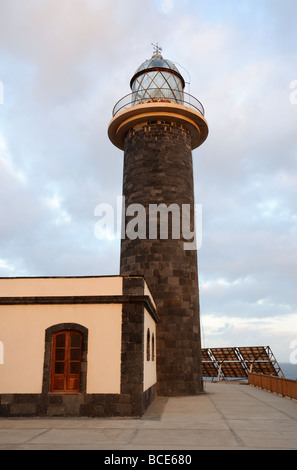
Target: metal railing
[
  {"x": 279, "y": 385},
  {"x": 156, "y": 95}
]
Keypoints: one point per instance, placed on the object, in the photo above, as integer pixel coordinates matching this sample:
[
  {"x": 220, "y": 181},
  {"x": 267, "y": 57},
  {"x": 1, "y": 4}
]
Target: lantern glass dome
[{"x": 157, "y": 79}]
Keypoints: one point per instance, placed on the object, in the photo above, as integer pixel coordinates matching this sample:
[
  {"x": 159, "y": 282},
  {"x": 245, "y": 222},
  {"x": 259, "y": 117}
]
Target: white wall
[
  {"x": 22, "y": 332},
  {"x": 150, "y": 371}
]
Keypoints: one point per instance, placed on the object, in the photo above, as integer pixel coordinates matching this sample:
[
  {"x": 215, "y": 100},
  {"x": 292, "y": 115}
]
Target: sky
[{"x": 63, "y": 66}]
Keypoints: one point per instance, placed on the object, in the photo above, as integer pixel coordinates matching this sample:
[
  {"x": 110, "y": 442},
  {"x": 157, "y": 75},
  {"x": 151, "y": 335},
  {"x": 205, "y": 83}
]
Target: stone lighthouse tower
[{"x": 157, "y": 126}]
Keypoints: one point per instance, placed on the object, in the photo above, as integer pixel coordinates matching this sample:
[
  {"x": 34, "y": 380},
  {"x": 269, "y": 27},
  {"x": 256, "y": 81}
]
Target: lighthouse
[{"x": 157, "y": 126}]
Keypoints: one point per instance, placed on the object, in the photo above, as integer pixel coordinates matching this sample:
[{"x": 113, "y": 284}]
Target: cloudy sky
[{"x": 63, "y": 66}]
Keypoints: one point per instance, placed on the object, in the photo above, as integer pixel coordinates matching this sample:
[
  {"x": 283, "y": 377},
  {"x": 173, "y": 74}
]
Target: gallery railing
[{"x": 158, "y": 95}]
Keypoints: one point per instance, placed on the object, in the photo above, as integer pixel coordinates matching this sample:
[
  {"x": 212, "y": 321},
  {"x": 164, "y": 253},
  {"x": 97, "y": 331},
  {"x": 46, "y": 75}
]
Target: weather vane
[{"x": 157, "y": 48}]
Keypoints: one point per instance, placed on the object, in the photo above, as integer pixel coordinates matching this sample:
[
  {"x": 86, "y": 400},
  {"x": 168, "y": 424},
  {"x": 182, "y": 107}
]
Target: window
[
  {"x": 66, "y": 361},
  {"x": 153, "y": 347},
  {"x": 148, "y": 345}
]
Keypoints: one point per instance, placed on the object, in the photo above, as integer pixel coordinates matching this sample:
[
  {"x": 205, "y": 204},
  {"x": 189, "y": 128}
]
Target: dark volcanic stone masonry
[{"x": 158, "y": 169}]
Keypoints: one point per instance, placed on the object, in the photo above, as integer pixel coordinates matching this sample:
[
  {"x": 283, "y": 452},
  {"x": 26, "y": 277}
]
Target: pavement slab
[{"x": 228, "y": 416}]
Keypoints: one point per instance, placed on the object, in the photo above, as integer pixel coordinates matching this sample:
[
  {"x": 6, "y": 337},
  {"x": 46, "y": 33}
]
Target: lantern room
[{"x": 157, "y": 79}]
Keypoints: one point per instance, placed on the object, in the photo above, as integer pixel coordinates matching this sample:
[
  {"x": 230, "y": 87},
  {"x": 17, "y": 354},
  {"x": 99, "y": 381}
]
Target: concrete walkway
[{"x": 228, "y": 416}]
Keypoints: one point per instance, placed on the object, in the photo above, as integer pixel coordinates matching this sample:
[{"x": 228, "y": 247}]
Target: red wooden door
[{"x": 66, "y": 361}]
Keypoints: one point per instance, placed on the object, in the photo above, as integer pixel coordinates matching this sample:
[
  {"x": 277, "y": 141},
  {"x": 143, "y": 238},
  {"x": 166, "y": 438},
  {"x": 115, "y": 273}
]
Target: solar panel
[
  {"x": 260, "y": 359},
  {"x": 236, "y": 362},
  {"x": 224, "y": 354},
  {"x": 233, "y": 369},
  {"x": 209, "y": 369},
  {"x": 255, "y": 353},
  {"x": 263, "y": 368},
  {"x": 205, "y": 355}
]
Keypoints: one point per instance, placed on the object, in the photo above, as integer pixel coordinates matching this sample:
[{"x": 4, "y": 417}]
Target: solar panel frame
[{"x": 236, "y": 362}]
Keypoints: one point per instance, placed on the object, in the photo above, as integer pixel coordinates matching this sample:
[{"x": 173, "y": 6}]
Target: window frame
[{"x": 47, "y": 364}]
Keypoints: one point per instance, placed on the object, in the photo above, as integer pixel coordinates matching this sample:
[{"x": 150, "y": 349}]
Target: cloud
[
  {"x": 64, "y": 64},
  {"x": 167, "y": 5},
  {"x": 231, "y": 331}
]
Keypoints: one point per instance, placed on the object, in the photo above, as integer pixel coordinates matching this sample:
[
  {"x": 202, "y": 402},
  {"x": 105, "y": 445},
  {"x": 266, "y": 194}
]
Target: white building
[{"x": 77, "y": 346}]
